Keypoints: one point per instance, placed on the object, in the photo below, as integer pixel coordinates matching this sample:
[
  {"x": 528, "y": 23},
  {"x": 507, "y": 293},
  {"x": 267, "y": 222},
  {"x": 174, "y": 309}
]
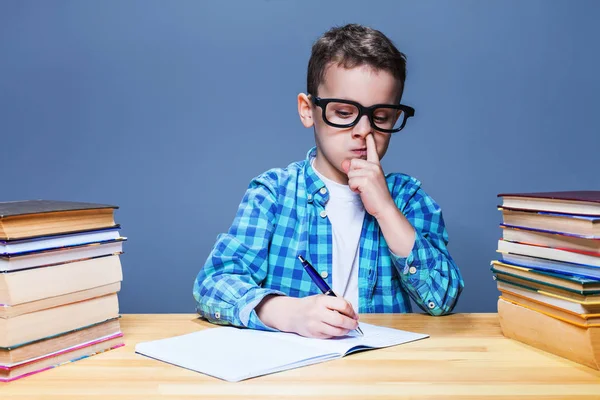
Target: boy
[{"x": 376, "y": 239}]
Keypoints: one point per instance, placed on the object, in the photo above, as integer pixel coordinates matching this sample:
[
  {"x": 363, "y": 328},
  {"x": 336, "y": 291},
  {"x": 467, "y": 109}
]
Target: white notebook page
[{"x": 235, "y": 354}]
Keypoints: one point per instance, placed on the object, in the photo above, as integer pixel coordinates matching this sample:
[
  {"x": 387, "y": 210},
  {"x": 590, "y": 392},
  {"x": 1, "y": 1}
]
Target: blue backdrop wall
[{"x": 169, "y": 109}]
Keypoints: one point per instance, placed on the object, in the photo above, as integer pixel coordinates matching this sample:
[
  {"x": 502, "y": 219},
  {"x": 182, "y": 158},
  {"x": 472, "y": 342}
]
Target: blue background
[{"x": 168, "y": 109}]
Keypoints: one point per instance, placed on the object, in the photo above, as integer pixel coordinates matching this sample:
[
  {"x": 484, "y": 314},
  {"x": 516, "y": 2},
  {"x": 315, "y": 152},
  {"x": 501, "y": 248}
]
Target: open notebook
[{"x": 235, "y": 354}]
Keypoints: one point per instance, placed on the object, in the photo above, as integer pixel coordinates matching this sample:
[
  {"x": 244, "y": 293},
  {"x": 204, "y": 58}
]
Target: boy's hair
[{"x": 352, "y": 46}]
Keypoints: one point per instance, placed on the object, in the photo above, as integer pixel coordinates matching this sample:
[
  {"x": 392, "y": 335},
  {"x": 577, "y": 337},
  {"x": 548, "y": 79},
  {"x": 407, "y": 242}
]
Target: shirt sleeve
[
  {"x": 428, "y": 273},
  {"x": 228, "y": 286}
]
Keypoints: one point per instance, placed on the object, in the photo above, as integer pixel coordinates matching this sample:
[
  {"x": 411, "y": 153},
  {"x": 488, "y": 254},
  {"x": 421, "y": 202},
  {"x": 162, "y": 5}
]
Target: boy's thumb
[{"x": 346, "y": 165}]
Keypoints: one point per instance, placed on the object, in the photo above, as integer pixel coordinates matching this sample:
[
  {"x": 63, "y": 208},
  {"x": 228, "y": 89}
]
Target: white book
[
  {"x": 53, "y": 242},
  {"x": 547, "y": 252},
  {"x": 59, "y": 256},
  {"x": 234, "y": 354}
]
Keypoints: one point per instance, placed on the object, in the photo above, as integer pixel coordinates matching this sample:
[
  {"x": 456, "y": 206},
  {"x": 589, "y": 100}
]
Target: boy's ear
[{"x": 305, "y": 110}]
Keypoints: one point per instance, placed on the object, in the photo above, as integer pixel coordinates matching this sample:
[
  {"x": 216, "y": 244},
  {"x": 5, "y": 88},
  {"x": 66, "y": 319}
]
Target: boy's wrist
[
  {"x": 274, "y": 311},
  {"x": 389, "y": 211}
]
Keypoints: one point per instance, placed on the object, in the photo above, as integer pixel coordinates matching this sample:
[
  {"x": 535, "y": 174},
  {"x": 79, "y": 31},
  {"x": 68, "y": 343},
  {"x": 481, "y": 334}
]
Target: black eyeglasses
[{"x": 340, "y": 113}]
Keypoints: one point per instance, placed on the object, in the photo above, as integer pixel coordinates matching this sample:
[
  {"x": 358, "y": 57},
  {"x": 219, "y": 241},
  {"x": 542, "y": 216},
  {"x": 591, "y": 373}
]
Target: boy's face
[{"x": 364, "y": 85}]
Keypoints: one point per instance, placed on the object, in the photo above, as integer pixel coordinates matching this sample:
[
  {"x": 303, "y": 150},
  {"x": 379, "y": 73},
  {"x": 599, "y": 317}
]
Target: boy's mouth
[{"x": 360, "y": 152}]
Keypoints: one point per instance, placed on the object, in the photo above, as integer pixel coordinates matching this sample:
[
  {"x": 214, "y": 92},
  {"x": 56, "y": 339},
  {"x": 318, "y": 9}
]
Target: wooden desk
[{"x": 465, "y": 357}]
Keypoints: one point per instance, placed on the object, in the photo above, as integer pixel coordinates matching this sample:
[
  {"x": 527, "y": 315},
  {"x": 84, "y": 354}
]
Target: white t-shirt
[{"x": 346, "y": 213}]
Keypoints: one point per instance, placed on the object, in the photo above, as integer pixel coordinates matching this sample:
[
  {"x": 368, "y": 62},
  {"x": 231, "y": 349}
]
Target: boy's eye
[
  {"x": 381, "y": 118},
  {"x": 343, "y": 114}
]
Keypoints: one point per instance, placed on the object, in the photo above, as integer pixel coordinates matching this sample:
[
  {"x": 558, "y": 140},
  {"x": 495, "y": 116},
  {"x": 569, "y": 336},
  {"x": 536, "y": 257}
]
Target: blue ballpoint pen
[{"x": 323, "y": 286}]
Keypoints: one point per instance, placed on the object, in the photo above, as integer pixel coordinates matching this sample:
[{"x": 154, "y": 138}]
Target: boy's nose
[{"x": 362, "y": 127}]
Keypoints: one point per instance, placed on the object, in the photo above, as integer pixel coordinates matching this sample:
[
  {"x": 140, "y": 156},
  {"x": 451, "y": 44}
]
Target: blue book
[
  {"x": 543, "y": 264},
  {"x": 569, "y": 282}
]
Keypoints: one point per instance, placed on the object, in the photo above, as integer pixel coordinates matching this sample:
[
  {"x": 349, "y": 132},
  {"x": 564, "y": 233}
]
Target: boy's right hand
[{"x": 318, "y": 316}]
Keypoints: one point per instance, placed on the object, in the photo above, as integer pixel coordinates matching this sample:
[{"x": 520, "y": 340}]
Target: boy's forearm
[
  {"x": 397, "y": 231},
  {"x": 432, "y": 279},
  {"x": 229, "y": 285},
  {"x": 224, "y": 306}
]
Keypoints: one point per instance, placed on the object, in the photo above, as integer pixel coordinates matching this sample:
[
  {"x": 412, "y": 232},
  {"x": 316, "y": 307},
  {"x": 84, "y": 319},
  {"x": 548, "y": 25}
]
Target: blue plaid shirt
[{"x": 280, "y": 217}]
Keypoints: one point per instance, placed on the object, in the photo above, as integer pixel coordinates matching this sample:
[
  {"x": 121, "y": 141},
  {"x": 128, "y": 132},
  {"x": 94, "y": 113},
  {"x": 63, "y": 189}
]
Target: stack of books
[
  {"x": 548, "y": 273},
  {"x": 60, "y": 273}
]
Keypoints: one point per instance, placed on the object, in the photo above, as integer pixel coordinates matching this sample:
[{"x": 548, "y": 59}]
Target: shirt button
[
  {"x": 323, "y": 190},
  {"x": 324, "y": 274},
  {"x": 412, "y": 270},
  {"x": 323, "y": 214},
  {"x": 431, "y": 304},
  {"x": 217, "y": 315},
  {"x": 309, "y": 196}
]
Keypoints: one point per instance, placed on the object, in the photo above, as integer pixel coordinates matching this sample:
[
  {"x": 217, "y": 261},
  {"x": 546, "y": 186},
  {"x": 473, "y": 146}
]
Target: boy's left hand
[{"x": 366, "y": 177}]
